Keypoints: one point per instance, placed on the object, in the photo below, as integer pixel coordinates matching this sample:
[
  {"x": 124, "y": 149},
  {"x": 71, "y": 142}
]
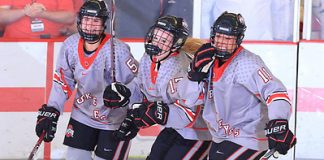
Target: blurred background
[{"x": 287, "y": 34}]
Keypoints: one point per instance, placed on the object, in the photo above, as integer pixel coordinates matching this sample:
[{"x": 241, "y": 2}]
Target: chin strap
[
  {"x": 96, "y": 41},
  {"x": 170, "y": 54}
]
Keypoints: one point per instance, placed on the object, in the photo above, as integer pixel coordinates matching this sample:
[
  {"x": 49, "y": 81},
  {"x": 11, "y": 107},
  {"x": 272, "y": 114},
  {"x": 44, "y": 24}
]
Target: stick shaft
[
  {"x": 35, "y": 149},
  {"x": 112, "y": 31},
  {"x": 268, "y": 154}
]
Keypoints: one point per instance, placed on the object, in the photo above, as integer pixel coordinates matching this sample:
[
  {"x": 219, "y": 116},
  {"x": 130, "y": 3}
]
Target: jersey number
[
  {"x": 132, "y": 65},
  {"x": 265, "y": 76},
  {"x": 172, "y": 83}
]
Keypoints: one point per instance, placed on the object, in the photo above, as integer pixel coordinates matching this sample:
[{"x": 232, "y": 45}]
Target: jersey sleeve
[
  {"x": 63, "y": 80},
  {"x": 185, "y": 107},
  {"x": 127, "y": 70},
  {"x": 191, "y": 93},
  {"x": 271, "y": 91},
  {"x": 126, "y": 65},
  {"x": 181, "y": 115},
  {"x": 136, "y": 94}
]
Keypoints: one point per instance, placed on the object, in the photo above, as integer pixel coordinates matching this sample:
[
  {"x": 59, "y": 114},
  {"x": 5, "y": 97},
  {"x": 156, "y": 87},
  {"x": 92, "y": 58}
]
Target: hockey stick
[
  {"x": 112, "y": 46},
  {"x": 35, "y": 149},
  {"x": 270, "y": 153},
  {"x": 164, "y": 9}
]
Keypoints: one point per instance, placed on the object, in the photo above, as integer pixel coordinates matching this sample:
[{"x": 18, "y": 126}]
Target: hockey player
[
  {"x": 84, "y": 64},
  {"x": 185, "y": 135},
  {"x": 242, "y": 98}
]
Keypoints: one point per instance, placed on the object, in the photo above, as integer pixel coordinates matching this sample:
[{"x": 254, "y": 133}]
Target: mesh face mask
[
  {"x": 171, "y": 26},
  {"x": 227, "y": 27},
  {"x": 159, "y": 44},
  {"x": 89, "y": 14},
  {"x": 225, "y": 45},
  {"x": 92, "y": 28}
]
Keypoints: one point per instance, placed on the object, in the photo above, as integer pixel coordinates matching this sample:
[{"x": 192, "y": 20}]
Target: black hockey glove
[
  {"x": 203, "y": 59},
  {"x": 279, "y": 136},
  {"x": 149, "y": 113},
  {"x": 127, "y": 130},
  {"x": 116, "y": 95},
  {"x": 46, "y": 121}
]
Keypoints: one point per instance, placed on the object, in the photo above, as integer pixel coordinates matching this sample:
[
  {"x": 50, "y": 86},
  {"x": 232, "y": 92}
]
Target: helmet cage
[
  {"x": 93, "y": 8},
  {"x": 176, "y": 26},
  {"x": 229, "y": 24},
  {"x": 222, "y": 40}
]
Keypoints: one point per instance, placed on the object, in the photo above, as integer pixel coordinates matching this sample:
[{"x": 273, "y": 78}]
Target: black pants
[
  {"x": 229, "y": 150},
  {"x": 170, "y": 145},
  {"x": 87, "y": 138}
]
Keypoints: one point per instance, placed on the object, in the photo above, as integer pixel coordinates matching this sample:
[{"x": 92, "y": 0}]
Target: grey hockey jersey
[
  {"x": 160, "y": 85},
  {"x": 89, "y": 75},
  {"x": 240, "y": 97}
]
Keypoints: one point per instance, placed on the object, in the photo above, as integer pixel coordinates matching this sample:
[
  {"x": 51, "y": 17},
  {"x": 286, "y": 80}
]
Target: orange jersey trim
[
  {"x": 60, "y": 79},
  {"x": 154, "y": 68},
  {"x": 278, "y": 96},
  {"x": 154, "y": 72},
  {"x": 189, "y": 113},
  {"x": 218, "y": 71},
  {"x": 85, "y": 61}
]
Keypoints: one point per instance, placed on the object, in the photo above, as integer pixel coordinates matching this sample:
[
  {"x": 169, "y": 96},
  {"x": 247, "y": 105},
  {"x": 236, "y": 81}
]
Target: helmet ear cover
[
  {"x": 93, "y": 8},
  {"x": 176, "y": 26}
]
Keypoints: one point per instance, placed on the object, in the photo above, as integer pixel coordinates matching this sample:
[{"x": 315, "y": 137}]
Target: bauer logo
[
  {"x": 159, "y": 110},
  {"x": 47, "y": 114},
  {"x": 276, "y": 129}
]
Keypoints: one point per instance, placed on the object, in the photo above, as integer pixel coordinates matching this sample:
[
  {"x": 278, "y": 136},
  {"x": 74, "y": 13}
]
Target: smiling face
[
  {"x": 162, "y": 39},
  {"x": 225, "y": 43},
  {"x": 92, "y": 25}
]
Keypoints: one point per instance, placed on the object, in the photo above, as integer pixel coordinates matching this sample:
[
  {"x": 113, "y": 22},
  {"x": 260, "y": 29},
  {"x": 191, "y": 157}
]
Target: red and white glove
[
  {"x": 47, "y": 121},
  {"x": 202, "y": 61},
  {"x": 116, "y": 95},
  {"x": 150, "y": 113},
  {"x": 127, "y": 129}
]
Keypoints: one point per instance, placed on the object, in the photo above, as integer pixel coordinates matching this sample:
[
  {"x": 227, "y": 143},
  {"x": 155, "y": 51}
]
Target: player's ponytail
[{"x": 191, "y": 46}]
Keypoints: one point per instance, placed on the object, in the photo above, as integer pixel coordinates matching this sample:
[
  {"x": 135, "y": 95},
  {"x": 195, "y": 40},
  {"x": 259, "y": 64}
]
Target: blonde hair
[{"x": 192, "y": 45}]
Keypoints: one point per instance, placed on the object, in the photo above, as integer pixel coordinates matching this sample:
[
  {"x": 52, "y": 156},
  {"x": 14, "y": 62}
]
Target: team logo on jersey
[
  {"x": 228, "y": 130},
  {"x": 87, "y": 96},
  {"x": 69, "y": 131}
]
